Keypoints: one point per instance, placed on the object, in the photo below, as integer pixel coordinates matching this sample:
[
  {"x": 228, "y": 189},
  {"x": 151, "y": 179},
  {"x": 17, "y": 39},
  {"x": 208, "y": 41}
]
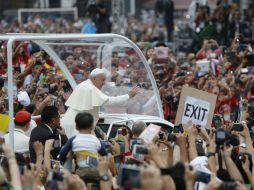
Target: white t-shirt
[
  {"x": 21, "y": 141},
  {"x": 86, "y": 142}
]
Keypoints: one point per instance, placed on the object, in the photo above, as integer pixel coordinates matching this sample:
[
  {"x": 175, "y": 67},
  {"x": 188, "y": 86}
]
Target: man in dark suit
[{"x": 48, "y": 129}]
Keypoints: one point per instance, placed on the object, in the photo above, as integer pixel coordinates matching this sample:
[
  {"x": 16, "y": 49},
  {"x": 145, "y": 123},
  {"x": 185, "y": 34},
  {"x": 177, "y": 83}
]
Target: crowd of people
[{"x": 220, "y": 62}]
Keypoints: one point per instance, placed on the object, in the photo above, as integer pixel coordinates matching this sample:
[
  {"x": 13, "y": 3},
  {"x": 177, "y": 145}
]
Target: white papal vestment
[{"x": 86, "y": 98}]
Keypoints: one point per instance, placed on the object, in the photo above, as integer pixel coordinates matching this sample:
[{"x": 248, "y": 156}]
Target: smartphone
[
  {"x": 129, "y": 178},
  {"x": 54, "y": 101},
  {"x": 134, "y": 142},
  {"x": 199, "y": 148},
  {"x": 237, "y": 127},
  {"x": 140, "y": 149},
  {"x": 203, "y": 177}
]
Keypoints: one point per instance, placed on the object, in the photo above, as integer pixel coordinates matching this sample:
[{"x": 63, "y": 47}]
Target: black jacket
[{"x": 42, "y": 133}]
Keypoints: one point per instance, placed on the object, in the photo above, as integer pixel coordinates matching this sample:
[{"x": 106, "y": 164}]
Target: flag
[{"x": 5, "y": 120}]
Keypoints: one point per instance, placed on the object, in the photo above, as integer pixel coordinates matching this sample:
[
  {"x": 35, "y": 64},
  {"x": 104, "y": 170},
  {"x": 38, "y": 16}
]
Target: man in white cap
[{"x": 87, "y": 97}]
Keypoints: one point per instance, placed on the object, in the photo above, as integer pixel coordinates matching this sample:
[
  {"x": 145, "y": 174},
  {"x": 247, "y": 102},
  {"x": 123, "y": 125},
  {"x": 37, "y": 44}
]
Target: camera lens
[
  {"x": 161, "y": 135},
  {"x": 141, "y": 150},
  {"x": 237, "y": 127},
  {"x": 216, "y": 121},
  {"x": 171, "y": 137}
]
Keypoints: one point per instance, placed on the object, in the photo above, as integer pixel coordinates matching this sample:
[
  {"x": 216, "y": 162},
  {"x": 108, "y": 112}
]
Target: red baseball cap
[{"x": 22, "y": 116}]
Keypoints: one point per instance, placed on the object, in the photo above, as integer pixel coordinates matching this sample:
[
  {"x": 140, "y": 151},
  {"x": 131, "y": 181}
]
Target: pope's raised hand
[{"x": 133, "y": 91}]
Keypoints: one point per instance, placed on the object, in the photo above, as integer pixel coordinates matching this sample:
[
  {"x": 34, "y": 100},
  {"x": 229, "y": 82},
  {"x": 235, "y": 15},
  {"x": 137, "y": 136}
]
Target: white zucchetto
[{"x": 96, "y": 72}]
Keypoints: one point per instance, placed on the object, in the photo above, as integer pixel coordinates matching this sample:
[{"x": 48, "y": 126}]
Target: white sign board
[
  {"x": 195, "y": 110},
  {"x": 196, "y": 106}
]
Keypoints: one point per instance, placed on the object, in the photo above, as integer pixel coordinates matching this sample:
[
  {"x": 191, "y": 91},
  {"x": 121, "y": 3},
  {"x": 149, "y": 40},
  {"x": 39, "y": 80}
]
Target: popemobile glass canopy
[{"x": 124, "y": 64}]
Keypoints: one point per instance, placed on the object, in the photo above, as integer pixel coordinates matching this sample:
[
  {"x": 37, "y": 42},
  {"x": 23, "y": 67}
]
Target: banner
[{"x": 4, "y": 122}]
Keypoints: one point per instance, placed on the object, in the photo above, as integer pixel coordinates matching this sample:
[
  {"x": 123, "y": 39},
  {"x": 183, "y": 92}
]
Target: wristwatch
[
  {"x": 104, "y": 177},
  {"x": 209, "y": 154}
]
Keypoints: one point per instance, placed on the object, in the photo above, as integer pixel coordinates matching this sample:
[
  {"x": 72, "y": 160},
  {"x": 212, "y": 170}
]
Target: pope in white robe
[{"x": 87, "y": 97}]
